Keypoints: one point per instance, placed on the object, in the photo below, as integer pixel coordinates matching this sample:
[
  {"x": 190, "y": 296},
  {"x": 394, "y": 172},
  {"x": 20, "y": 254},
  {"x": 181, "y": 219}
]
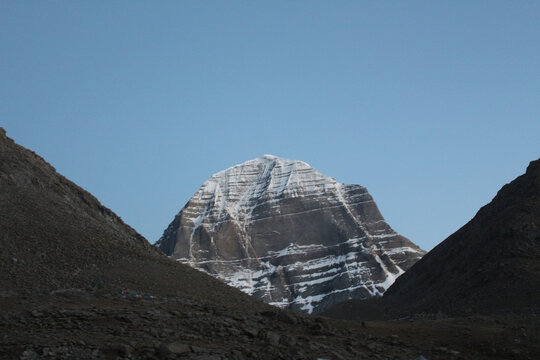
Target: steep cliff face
[{"x": 281, "y": 231}]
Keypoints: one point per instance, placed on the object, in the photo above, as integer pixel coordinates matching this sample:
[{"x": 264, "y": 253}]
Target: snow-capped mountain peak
[
  {"x": 239, "y": 188},
  {"x": 282, "y": 231}
]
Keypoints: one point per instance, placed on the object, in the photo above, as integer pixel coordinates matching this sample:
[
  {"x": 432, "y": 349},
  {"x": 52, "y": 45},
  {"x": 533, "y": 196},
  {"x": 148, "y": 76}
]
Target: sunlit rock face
[{"x": 283, "y": 232}]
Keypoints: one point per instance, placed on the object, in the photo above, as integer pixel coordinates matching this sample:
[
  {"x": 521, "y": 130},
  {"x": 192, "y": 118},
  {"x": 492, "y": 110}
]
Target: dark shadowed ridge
[
  {"x": 55, "y": 235},
  {"x": 490, "y": 265}
]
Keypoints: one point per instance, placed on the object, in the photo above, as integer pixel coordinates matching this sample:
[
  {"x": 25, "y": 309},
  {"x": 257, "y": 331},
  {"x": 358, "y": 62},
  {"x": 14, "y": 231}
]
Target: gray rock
[
  {"x": 29, "y": 354},
  {"x": 174, "y": 348},
  {"x": 197, "y": 349},
  {"x": 208, "y": 357},
  {"x": 272, "y": 338}
]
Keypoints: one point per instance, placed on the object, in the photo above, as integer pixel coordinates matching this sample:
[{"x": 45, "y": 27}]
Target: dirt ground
[{"x": 81, "y": 324}]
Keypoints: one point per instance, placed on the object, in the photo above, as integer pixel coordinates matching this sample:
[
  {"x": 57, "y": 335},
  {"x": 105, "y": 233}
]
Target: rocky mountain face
[
  {"x": 281, "y": 231},
  {"x": 488, "y": 266}
]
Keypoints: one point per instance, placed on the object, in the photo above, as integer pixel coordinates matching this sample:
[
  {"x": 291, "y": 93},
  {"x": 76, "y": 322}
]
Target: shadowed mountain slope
[
  {"x": 55, "y": 235},
  {"x": 489, "y": 265}
]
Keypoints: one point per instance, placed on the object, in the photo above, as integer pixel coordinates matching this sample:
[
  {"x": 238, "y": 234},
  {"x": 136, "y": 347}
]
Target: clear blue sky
[{"x": 432, "y": 105}]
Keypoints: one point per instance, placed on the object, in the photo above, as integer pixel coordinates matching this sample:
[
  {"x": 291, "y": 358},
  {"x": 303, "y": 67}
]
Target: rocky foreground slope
[
  {"x": 488, "y": 266},
  {"x": 57, "y": 242},
  {"x": 55, "y": 235},
  {"x": 281, "y": 231}
]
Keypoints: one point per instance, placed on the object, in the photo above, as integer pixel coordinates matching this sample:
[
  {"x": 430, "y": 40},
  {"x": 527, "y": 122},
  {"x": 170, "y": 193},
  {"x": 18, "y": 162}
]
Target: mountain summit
[{"x": 283, "y": 232}]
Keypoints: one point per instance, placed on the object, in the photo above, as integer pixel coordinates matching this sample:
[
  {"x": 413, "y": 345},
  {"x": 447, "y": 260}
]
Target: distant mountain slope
[
  {"x": 283, "y": 232},
  {"x": 489, "y": 265}
]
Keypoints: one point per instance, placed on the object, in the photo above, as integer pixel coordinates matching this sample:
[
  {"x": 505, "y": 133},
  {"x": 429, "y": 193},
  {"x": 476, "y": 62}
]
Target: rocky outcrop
[{"x": 281, "y": 231}]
